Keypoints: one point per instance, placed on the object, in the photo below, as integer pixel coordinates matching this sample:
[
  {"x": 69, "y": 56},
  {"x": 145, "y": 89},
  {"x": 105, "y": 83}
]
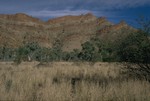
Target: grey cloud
[
  {"x": 97, "y": 3},
  {"x": 91, "y": 4},
  {"x": 36, "y": 5},
  {"x": 57, "y": 13},
  {"x": 126, "y": 3},
  {"x": 56, "y": 8}
]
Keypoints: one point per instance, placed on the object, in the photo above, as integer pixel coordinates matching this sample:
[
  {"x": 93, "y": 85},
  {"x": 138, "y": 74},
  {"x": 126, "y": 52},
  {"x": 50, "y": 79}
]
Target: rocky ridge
[{"x": 18, "y": 28}]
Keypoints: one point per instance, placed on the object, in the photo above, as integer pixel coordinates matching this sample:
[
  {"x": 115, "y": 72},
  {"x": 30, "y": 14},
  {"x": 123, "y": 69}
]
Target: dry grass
[{"x": 69, "y": 82}]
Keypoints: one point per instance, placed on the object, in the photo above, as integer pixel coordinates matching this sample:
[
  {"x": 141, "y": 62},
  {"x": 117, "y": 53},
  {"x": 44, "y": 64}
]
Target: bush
[
  {"x": 7, "y": 54},
  {"x": 26, "y": 52},
  {"x": 87, "y": 52},
  {"x": 136, "y": 49}
]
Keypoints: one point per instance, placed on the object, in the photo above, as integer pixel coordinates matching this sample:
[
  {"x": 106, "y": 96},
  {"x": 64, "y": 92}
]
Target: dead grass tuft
[{"x": 69, "y": 82}]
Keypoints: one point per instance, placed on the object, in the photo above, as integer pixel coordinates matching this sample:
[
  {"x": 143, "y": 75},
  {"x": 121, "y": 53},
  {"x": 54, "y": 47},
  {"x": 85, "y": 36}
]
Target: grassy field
[{"x": 61, "y": 81}]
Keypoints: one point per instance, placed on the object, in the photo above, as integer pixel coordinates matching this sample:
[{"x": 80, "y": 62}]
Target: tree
[
  {"x": 26, "y": 52},
  {"x": 56, "y": 53},
  {"x": 71, "y": 56},
  {"x": 42, "y": 54},
  {"x": 136, "y": 49},
  {"x": 144, "y": 24},
  {"x": 87, "y": 52},
  {"x": 104, "y": 51},
  {"x": 7, "y": 54}
]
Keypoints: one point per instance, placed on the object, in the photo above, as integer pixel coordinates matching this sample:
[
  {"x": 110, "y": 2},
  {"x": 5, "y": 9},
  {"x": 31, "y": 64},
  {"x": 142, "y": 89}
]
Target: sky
[{"x": 113, "y": 10}]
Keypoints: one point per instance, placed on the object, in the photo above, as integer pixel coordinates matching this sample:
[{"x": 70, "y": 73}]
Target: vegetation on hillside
[
  {"x": 104, "y": 81},
  {"x": 134, "y": 48}
]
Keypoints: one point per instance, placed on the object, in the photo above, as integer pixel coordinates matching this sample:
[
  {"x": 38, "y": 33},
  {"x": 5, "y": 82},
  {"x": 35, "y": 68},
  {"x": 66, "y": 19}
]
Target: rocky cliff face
[
  {"x": 20, "y": 17},
  {"x": 71, "y": 30}
]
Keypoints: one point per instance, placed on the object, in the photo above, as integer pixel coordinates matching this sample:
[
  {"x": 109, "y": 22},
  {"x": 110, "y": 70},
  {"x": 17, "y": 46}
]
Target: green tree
[
  {"x": 71, "y": 56},
  {"x": 136, "y": 49},
  {"x": 42, "y": 54},
  {"x": 87, "y": 52},
  {"x": 56, "y": 52},
  {"x": 7, "y": 54},
  {"x": 104, "y": 51},
  {"x": 26, "y": 52}
]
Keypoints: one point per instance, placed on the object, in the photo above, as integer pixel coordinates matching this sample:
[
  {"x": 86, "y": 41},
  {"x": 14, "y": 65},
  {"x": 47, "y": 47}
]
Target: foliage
[
  {"x": 71, "y": 56},
  {"x": 26, "y": 52},
  {"x": 144, "y": 24},
  {"x": 87, "y": 52},
  {"x": 135, "y": 48},
  {"x": 7, "y": 54},
  {"x": 56, "y": 52}
]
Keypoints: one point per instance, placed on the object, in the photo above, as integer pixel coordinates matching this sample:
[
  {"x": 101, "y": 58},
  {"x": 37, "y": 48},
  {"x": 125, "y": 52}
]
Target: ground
[{"x": 69, "y": 81}]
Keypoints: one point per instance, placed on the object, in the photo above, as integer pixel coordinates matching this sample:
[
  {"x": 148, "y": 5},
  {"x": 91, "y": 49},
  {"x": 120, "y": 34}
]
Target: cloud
[
  {"x": 59, "y": 13},
  {"x": 95, "y": 4},
  {"x": 125, "y": 3},
  {"x": 74, "y": 4},
  {"x": 55, "y": 8}
]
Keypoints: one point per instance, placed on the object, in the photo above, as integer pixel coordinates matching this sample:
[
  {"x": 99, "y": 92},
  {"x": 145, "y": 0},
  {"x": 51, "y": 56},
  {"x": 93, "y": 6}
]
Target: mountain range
[{"x": 72, "y": 31}]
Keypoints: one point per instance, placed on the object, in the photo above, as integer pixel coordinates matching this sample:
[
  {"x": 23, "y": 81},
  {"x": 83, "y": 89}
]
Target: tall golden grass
[{"x": 61, "y": 81}]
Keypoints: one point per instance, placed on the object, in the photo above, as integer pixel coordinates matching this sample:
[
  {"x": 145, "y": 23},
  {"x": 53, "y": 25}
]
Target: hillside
[{"x": 19, "y": 28}]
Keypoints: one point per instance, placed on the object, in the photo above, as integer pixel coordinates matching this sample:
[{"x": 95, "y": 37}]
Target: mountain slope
[{"x": 71, "y": 30}]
